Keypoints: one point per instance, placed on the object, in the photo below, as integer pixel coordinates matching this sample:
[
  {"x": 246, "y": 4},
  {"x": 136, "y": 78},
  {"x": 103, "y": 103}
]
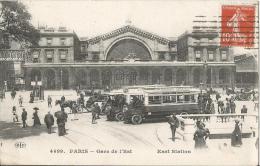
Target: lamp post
[
  {"x": 205, "y": 66},
  {"x": 61, "y": 79}
]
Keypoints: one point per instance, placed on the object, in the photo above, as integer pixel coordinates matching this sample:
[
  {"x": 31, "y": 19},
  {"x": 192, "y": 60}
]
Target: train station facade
[{"x": 128, "y": 56}]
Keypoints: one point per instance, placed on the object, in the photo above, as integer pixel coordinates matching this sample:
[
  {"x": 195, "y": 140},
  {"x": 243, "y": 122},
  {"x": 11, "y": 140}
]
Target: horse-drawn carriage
[{"x": 244, "y": 94}]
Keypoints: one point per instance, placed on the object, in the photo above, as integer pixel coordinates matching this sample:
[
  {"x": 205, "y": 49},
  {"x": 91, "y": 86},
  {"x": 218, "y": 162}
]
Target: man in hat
[
  {"x": 98, "y": 110},
  {"x": 49, "y": 121},
  {"x": 49, "y": 101},
  {"x": 15, "y": 116},
  {"x": 62, "y": 99},
  {"x": 174, "y": 124},
  {"x": 61, "y": 120},
  {"x": 31, "y": 97},
  {"x": 24, "y": 118},
  {"x": 36, "y": 119},
  {"x": 94, "y": 113},
  {"x": 244, "y": 110},
  {"x": 236, "y": 137},
  {"x": 20, "y": 100}
]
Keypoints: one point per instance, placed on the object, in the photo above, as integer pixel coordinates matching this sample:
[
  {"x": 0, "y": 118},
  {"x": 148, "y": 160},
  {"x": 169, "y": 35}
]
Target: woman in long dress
[
  {"x": 200, "y": 136},
  {"x": 236, "y": 137},
  {"x": 36, "y": 119}
]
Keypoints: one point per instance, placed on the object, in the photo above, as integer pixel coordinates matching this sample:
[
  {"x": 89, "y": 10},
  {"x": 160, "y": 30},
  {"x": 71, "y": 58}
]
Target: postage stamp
[{"x": 237, "y": 25}]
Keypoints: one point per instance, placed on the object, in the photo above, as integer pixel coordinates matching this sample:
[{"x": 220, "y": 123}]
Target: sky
[{"x": 89, "y": 18}]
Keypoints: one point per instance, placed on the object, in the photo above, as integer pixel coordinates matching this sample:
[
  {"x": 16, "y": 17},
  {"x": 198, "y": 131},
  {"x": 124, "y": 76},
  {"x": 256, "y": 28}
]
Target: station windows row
[
  {"x": 50, "y": 41},
  {"x": 211, "y": 55},
  {"x": 49, "y": 55}
]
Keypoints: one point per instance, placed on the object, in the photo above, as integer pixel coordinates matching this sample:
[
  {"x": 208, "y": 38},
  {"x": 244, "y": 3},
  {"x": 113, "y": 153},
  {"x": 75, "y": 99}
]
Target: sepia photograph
[{"x": 123, "y": 82}]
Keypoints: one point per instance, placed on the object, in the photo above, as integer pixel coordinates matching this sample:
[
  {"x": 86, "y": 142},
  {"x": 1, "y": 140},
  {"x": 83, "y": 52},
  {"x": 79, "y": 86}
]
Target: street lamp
[
  {"x": 205, "y": 66},
  {"x": 61, "y": 79}
]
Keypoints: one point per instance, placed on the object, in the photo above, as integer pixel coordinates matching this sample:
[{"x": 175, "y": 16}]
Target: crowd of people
[
  {"x": 61, "y": 116},
  {"x": 205, "y": 103}
]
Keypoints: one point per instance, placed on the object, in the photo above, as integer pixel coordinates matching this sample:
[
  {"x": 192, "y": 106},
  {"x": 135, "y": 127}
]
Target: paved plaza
[{"x": 106, "y": 142}]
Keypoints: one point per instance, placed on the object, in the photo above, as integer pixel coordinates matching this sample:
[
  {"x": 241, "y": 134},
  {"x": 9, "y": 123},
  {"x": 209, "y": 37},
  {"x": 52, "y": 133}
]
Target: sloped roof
[
  {"x": 129, "y": 28},
  {"x": 247, "y": 64}
]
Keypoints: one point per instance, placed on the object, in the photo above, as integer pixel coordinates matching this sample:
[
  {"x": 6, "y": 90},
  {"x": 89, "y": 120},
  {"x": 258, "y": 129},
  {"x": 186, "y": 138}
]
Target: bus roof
[{"x": 154, "y": 89}]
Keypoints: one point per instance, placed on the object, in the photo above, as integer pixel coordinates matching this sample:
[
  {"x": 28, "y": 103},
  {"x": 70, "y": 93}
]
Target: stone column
[
  {"x": 217, "y": 55},
  {"x": 44, "y": 79},
  {"x": 28, "y": 78},
  {"x": 57, "y": 78},
  {"x": 190, "y": 76},
  {"x": 71, "y": 78},
  {"x": 191, "y": 56},
  {"x": 174, "y": 76},
  {"x": 217, "y": 76},
  {"x": 204, "y": 55},
  {"x": 56, "y": 56}
]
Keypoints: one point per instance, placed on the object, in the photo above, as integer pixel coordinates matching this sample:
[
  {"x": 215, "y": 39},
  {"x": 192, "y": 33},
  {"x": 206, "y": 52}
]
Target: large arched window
[
  {"x": 81, "y": 77},
  {"x": 180, "y": 77},
  {"x": 128, "y": 49},
  {"x": 50, "y": 79},
  {"x": 224, "y": 76},
  {"x": 196, "y": 76},
  {"x": 94, "y": 77},
  {"x": 168, "y": 76},
  {"x": 156, "y": 76},
  {"x": 36, "y": 75}
]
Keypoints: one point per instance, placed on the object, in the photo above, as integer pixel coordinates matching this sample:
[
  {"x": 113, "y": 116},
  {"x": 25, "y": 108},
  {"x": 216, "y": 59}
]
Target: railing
[
  {"x": 221, "y": 118},
  {"x": 12, "y": 55},
  {"x": 222, "y": 124}
]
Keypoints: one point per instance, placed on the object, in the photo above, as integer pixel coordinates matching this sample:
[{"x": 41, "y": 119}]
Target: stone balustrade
[{"x": 218, "y": 124}]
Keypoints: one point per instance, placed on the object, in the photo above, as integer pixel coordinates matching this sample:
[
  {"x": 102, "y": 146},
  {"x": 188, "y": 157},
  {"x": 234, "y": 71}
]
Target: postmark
[{"x": 237, "y": 25}]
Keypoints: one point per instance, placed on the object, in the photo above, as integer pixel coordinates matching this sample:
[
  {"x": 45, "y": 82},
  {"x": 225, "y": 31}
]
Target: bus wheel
[
  {"x": 136, "y": 119},
  {"x": 120, "y": 116}
]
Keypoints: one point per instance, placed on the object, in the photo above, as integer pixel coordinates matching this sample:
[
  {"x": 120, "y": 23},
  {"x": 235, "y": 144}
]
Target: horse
[{"x": 68, "y": 103}]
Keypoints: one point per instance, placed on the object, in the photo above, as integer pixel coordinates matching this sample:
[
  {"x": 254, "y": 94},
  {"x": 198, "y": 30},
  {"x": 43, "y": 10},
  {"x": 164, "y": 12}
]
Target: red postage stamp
[{"x": 237, "y": 26}]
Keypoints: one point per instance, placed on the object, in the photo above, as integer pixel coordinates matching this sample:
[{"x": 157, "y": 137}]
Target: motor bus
[{"x": 160, "y": 102}]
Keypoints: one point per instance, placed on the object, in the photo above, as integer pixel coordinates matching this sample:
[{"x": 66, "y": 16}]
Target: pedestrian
[
  {"x": 236, "y": 137},
  {"x": 49, "y": 121},
  {"x": 244, "y": 110},
  {"x": 200, "y": 135},
  {"x": 36, "y": 119},
  {"x": 61, "y": 120},
  {"x": 94, "y": 113},
  {"x": 227, "y": 107},
  {"x": 4, "y": 93},
  {"x": 108, "y": 111},
  {"x": 174, "y": 124},
  {"x": 212, "y": 108},
  {"x": 233, "y": 107},
  {"x": 13, "y": 93},
  {"x": 98, "y": 109},
  {"x": 218, "y": 96},
  {"x": 31, "y": 97},
  {"x": 62, "y": 99},
  {"x": 49, "y": 101},
  {"x": 24, "y": 118},
  {"x": 1, "y": 95},
  {"x": 15, "y": 116},
  {"x": 20, "y": 99}
]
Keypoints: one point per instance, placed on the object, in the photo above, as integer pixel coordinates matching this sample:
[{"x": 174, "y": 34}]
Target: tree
[{"x": 15, "y": 22}]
